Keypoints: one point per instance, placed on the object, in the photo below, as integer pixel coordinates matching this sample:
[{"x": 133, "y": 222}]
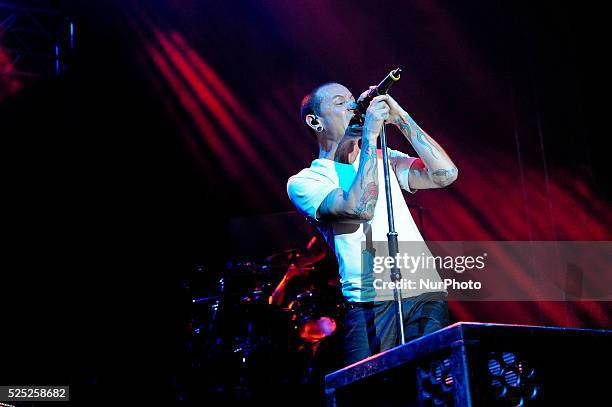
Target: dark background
[{"x": 175, "y": 117}]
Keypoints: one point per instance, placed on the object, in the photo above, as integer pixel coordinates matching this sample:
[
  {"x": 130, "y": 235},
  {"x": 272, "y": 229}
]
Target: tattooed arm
[
  {"x": 358, "y": 203},
  {"x": 434, "y": 168}
]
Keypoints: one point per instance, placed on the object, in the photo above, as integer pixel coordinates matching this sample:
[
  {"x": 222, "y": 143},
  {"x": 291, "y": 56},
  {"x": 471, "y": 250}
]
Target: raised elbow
[
  {"x": 340, "y": 207},
  {"x": 356, "y": 214},
  {"x": 445, "y": 177},
  {"x": 349, "y": 216},
  {"x": 454, "y": 175},
  {"x": 363, "y": 209},
  {"x": 365, "y": 216}
]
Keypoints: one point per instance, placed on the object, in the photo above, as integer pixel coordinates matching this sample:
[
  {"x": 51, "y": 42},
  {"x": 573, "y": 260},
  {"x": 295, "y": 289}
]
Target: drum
[{"x": 314, "y": 316}]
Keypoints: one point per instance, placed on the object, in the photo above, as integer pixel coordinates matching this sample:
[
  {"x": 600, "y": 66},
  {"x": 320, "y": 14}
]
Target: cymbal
[
  {"x": 246, "y": 267},
  {"x": 297, "y": 257}
]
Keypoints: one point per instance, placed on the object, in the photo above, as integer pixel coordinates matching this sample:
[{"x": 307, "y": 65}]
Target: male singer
[{"x": 343, "y": 194}]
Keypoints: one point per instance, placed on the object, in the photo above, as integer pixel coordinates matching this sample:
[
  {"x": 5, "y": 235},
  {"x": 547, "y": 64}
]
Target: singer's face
[{"x": 334, "y": 108}]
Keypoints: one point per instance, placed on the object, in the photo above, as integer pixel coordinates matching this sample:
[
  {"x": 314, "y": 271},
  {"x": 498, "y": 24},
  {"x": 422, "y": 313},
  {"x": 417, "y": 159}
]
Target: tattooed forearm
[
  {"x": 411, "y": 129},
  {"x": 356, "y": 204},
  {"x": 367, "y": 193},
  {"x": 435, "y": 169},
  {"x": 403, "y": 126},
  {"x": 367, "y": 164},
  {"x": 421, "y": 138}
]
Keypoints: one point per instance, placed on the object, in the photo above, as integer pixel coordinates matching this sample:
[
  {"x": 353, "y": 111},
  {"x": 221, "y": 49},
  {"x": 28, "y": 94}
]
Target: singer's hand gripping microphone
[{"x": 381, "y": 89}]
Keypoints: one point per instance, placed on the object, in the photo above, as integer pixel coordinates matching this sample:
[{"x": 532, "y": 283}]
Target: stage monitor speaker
[{"x": 475, "y": 364}]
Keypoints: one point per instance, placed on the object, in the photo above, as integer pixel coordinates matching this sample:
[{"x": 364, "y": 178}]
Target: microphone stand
[
  {"x": 392, "y": 239},
  {"x": 383, "y": 88}
]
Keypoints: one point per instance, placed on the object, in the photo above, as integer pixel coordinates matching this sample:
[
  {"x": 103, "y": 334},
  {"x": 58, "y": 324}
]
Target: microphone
[{"x": 381, "y": 89}]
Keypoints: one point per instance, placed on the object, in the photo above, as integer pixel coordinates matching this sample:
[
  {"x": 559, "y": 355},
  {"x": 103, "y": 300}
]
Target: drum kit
[{"x": 274, "y": 310}]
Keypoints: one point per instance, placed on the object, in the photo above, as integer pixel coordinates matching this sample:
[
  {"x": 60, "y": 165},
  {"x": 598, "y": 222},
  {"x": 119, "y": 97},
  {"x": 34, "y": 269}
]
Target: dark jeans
[{"x": 370, "y": 327}]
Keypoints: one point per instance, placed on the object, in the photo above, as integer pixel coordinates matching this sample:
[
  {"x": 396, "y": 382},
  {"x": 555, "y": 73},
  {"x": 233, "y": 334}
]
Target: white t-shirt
[{"x": 307, "y": 190}]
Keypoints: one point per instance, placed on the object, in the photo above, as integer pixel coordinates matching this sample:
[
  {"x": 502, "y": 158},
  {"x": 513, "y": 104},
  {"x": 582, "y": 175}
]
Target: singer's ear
[{"x": 313, "y": 122}]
